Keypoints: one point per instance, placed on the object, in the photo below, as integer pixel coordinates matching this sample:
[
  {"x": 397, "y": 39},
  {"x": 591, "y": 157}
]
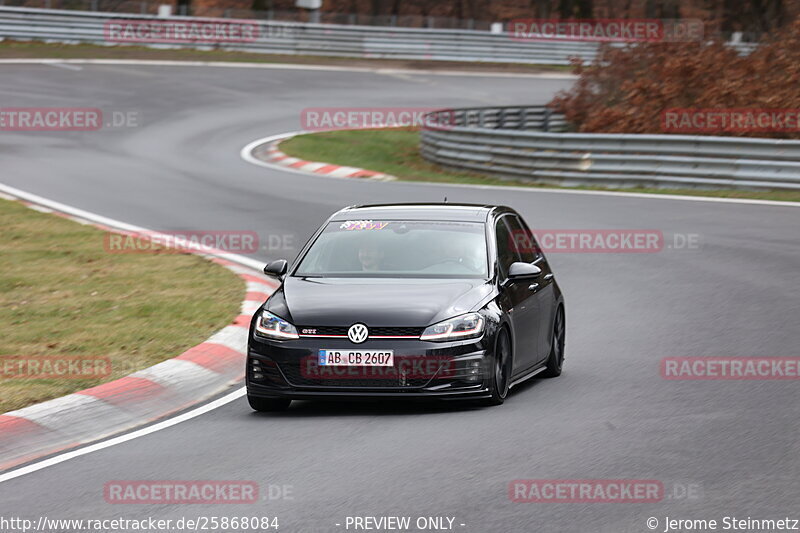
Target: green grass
[
  {"x": 39, "y": 50},
  {"x": 396, "y": 152},
  {"x": 62, "y": 294}
]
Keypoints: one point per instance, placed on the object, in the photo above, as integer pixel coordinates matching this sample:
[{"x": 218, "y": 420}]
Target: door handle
[
  {"x": 533, "y": 286},
  {"x": 548, "y": 277}
]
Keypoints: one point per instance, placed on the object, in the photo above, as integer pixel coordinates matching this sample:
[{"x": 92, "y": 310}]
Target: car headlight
[
  {"x": 274, "y": 327},
  {"x": 460, "y": 327}
]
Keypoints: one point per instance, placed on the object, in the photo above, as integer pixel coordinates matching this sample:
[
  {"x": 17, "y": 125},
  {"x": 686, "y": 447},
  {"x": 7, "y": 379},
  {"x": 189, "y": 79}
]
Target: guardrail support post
[{"x": 546, "y": 123}]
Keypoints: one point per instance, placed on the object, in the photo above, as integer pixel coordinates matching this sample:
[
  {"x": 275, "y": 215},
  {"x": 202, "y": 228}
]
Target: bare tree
[
  {"x": 575, "y": 9},
  {"x": 755, "y": 16},
  {"x": 540, "y": 8},
  {"x": 665, "y": 9}
]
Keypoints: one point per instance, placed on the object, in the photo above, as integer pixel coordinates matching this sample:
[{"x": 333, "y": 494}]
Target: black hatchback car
[{"x": 408, "y": 301}]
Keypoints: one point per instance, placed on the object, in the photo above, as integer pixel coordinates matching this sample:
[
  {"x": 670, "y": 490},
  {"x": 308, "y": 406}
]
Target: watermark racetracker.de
[
  {"x": 191, "y": 31},
  {"x": 353, "y": 118},
  {"x": 402, "y": 369},
  {"x": 181, "y": 492},
  {"x": 606, "y": 30},
  {"x": 730, "y": 368},
  {"x": 202, "y": 241},
  {"x": 625, "y": 241},
  {"x": 51, "y": 119},
  {"x": 20, "y": 367},
  {"x": 730, "y": 120},
  {"x": 193, "y": 492},
  {"x": 601, "y": 491}
]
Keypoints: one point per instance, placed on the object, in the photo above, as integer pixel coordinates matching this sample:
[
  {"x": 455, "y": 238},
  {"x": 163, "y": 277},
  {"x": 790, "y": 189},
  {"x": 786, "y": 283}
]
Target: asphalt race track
[{"x": 721, "y": 448}]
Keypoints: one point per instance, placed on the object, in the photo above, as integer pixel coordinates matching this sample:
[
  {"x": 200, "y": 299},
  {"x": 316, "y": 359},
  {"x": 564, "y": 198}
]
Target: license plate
[{"x": 356, "y": 358}]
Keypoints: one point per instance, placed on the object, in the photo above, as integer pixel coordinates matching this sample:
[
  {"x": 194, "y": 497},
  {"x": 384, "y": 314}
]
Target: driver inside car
[{"x": 370, "y": 256}]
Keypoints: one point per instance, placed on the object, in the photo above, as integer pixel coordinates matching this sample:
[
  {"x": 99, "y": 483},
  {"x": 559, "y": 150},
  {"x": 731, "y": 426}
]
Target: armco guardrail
[
  {"x": 509, "y": 117},
  {"x": 312, "y": 39},
  {"x": 510, "y": 142}
]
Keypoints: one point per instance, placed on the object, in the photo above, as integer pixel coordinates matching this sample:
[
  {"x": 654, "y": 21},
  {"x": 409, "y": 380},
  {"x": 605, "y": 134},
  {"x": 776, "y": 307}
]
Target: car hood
[{"x": 376, "y": 302}]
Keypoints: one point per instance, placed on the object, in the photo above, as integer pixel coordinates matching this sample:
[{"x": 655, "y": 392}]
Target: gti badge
[{"x": 357, "y": 333}]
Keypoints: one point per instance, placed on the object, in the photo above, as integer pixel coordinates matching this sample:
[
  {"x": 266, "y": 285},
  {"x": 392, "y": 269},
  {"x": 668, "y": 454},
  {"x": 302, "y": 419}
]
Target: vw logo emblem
[{"x": 358, "y": 333}]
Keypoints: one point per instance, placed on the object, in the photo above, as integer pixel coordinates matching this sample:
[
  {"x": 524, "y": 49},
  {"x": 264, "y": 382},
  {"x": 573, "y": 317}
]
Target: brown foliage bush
[{"x": 626, "y": 90}]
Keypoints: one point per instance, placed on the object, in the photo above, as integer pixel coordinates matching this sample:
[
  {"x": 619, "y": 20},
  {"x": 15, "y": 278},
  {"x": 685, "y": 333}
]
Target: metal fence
[
  {"x": 286, "y": 15},
  {"x": 499, "y": 142},
  {"x": 292, "y": 38}
]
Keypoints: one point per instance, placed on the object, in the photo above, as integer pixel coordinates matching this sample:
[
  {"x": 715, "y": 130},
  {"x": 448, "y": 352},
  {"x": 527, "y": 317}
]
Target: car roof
[{"x": 419, "y": 211}]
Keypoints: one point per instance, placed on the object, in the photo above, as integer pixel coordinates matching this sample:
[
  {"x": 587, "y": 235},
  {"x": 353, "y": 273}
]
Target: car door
[
  {"x": 543, "y": 288},
  {"x": 517, "y": 300}
]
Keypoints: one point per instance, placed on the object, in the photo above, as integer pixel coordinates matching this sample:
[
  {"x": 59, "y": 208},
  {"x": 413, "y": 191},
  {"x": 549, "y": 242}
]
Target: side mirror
[
  {"x": 522, "y": 270},
  {"x": 276, "y": 268}
]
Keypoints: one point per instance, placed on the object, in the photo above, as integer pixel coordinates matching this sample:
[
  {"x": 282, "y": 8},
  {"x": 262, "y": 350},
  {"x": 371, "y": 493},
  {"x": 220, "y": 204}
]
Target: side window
[
  {"x": 505, "y": 247},
  {"x": 523, "y": 240}
]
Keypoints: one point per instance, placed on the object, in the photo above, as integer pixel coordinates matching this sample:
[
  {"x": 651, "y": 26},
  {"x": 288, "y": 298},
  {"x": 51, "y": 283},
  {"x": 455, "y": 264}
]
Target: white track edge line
[
  {"x": 219, "y": 402},
  {"x": 124, "y": 226},
  {"x": 19, "y": 194},
  {"x": 247, "y": 155},
  {"x": 288, "y": 66}
]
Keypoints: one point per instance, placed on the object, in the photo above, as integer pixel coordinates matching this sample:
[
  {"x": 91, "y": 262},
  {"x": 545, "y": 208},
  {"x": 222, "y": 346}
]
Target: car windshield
[{"x": 397, "y": 248}]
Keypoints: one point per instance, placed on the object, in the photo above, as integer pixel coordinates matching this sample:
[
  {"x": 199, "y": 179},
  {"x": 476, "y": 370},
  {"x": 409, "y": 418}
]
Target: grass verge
[
  {"x": 63, "y": 295},
  {"x": 39, "y": 50},
  {"x": 396, "y": 152}
]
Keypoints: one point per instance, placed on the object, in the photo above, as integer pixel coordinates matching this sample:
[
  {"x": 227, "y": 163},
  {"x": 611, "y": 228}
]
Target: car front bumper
[{"x": 449, "y": 370}]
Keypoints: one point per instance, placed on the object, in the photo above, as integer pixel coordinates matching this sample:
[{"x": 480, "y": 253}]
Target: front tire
[
  {"x": 555, "y": 361},
  {"x": 501, "y": 369},
  {"x": 268, "y": 405}
]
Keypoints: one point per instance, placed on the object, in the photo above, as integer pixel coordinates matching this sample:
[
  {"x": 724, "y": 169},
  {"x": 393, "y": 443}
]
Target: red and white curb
[
  {"x": 146, "y": 395},
  {"x": 265, "y": 152}
]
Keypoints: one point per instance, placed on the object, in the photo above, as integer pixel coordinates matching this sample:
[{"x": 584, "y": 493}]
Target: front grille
[
  {"x": 406, "y": 332},
  {"x": 373, "y": 332},
  {"x": 349, "y": 377}
]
